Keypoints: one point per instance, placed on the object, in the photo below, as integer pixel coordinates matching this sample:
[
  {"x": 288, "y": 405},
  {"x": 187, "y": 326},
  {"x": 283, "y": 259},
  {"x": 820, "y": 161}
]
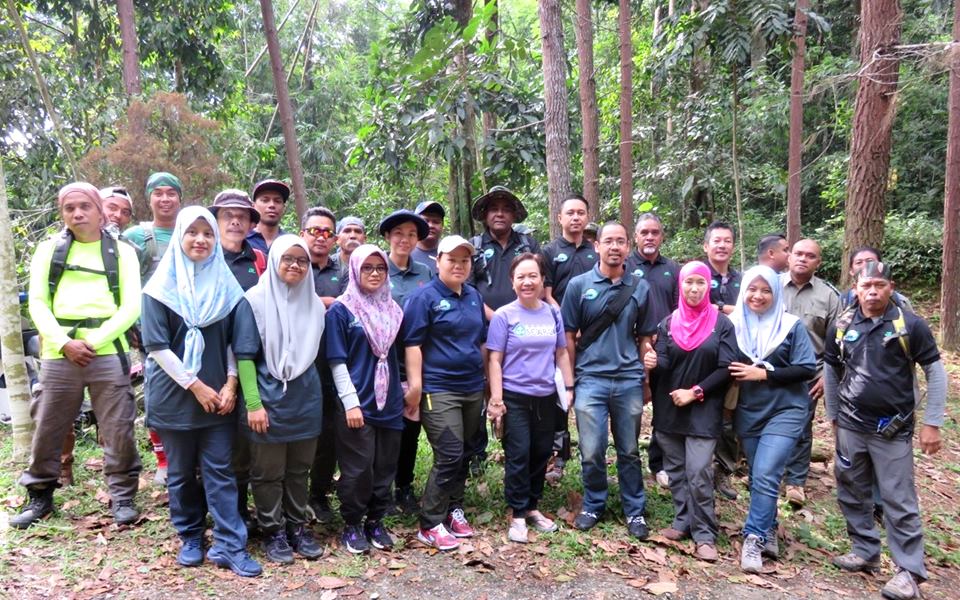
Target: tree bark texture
[
  {"x": 128, "y": 42},
  {"x": 285, "y": 108},
  {"x": 626, "y": 117},
  {"x": 556, "y": 118},
  {"x": 11, "y": 340},
  {"x": 466, "y": 128},
  {"x": 873, "y": 116},
  {"x": 950, "y": 291},
  {"x": 583, "y": 28},
  {"x": 795, "y": 161}
]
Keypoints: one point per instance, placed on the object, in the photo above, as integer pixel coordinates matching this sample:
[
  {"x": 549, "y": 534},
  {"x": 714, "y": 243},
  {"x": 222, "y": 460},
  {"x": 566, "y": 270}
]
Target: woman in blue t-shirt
[
  {"x": 190, "y": 389},
  {"x": 276, "y": 338},
  {"x": 527, "y": 345},
  {"x": 361, "y": 328},
  {"x": 776, "y": 361}
]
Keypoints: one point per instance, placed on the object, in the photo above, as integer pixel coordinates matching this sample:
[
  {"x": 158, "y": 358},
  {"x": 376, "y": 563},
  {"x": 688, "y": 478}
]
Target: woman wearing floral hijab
[
  {"x": 695, "y": 345},
  {"x": 190, "y": 392},
  {"x": 776, "y": 360},
  {"x": 361, "y": 328},
  {"x": 276, "y": 339}
]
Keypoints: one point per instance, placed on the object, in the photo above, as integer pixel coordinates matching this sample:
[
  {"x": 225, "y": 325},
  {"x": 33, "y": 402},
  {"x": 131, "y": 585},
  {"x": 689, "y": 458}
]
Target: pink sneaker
[
  {"x": 438, "y": 537},
  {"x": 457, "y": 524}
]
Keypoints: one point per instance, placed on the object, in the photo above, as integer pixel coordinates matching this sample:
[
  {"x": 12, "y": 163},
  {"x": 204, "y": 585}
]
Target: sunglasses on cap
[{"x": 320, "y": 232}]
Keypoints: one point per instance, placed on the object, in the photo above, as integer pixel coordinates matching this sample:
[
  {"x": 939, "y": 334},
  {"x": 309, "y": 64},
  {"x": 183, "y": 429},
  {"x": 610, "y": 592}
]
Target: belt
[{"x": 93, "y": 323}]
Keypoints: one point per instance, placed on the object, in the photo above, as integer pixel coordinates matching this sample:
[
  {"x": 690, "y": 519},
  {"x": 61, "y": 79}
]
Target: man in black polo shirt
[
  {"x": 317, "y": 230},
  {"x": 566, "y": 257},
  {"x": 868, "y": 390},
  {"x": 235, "y": 214}
]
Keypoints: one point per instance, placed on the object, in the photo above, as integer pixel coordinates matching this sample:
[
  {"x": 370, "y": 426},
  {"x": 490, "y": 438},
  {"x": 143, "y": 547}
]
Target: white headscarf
[
  {"x": 289, "y": 318},
  {"x": 201, "y": 293},
  {"x": 758, "y": 335}
]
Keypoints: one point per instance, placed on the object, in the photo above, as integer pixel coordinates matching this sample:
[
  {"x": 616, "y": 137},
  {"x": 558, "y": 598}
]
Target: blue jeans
[
  {"x": 598, "y": 398},
  {"x": 767, "y": 456},
  {"x": 210, "y": 449}
]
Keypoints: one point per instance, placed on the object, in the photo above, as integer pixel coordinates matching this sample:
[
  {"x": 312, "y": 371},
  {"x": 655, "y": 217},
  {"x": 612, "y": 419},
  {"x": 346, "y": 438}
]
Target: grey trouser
[
  {"x": 449, "y": 419},
  {"x": 368, "y": 464},
  {"x": 688, "y": 462},
  {"x": 58, "y": 405},
  {"x": 278, "y": 475},
  {"x": 861, "y": 459}
]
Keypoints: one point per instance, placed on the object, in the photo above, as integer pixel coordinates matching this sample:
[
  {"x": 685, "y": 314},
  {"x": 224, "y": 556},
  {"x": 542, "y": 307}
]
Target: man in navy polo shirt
[
  {"x": 426, "y": 250},
  {"x": 270, "y": 199},
  {"x": 609, "y": 375}
]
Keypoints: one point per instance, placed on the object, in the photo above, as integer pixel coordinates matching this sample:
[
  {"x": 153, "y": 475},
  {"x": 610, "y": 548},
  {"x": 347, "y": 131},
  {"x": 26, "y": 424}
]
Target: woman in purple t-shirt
[{"x": 526, "y": 343}]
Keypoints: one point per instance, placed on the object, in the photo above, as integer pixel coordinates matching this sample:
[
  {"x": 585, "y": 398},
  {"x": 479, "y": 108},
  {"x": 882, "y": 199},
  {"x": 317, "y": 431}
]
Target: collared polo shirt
[
  {"x": 329, "y": 281},
  {"x": 243, "y": 265},
  {"x": 491, "y": 266},
  {"x": 614, "y": 354},
  {"x": 816, "y": 303},
  {"x": 257, "y": 240},
  {"x": 449, "y": 328},
  {"x": 565, "y": 261},
  {"x": 428, "y": 258},
  {"x": 405, "y": 281},
  {"x": 724, "y": 289},
  {"x": 877, "y": 377},
  {"x": 663, "y": 277}
]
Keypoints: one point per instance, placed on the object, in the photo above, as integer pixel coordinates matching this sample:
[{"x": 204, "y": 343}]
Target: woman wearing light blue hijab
[
  {"x": 776, "y": 359},
  {"x": 190, "y": 389}
]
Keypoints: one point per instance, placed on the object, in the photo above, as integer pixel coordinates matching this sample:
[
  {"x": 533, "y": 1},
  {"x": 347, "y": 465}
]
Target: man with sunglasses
[{"x": 318, "y": 231}]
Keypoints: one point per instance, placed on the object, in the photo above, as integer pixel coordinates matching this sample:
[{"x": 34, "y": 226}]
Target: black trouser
[
  {"x": 477, "y": 444},
  {"x": 561, "y": 434},
  {"x": 325, "y": 459},
  {"x": 654, "y": 454},
  {"x": 409, "y": 442},
  {"x": 368, "y": 465},
  {"x": 528, "y": 429},
  {"x": 727, "y": 453}
]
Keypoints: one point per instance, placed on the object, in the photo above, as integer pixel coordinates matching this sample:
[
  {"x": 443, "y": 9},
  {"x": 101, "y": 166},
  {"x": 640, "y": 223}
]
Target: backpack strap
[
  {"x": 58, "y": 262},
  {"x": 259, "y": 262},
  {"x": 149, "y": 239}
]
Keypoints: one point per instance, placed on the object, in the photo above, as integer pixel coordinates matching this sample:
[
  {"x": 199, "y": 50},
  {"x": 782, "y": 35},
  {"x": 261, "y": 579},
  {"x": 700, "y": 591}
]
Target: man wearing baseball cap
[
  {"x": 165, "y": 193},
  {"x": 270, "y": 200},
  {"x": 426, "y": 250}
]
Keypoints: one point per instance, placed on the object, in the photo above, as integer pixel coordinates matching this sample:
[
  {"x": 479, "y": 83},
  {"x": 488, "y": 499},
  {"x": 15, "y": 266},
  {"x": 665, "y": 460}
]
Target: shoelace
[
  {"x": 637, "y": 519},
  {"x": 191, "y": 544},
  {"x": 458, "y": 517},
  {"x": 754, "y": 548},
  {"x": 589, "y": 514}
]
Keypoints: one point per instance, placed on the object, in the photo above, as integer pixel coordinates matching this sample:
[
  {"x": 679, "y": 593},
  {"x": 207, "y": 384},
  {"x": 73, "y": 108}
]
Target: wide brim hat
[
  {"x": 234, "y": 198},
  {"x": 401, "y": 216},
  {"x": 497, "y": 192}
]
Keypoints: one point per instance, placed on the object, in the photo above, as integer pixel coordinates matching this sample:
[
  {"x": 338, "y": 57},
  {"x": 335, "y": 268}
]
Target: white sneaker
[
  {"x": 518, "y": 531},
  {"x": 663, "y": 480},
  {"x": 750, "y": 555}
]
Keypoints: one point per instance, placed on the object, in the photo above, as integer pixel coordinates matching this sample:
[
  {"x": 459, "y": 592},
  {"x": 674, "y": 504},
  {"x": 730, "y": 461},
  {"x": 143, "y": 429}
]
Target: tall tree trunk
[
  {"x": 735, "y": 159},
  {"x": 286, "y": 109},
  {"x": 11, "y": 341},
  {"x": 795, "y": 161},
  {"x": 949, "y": 290},
  {"x": 699, "y": 67},
  {"x": 873, "y": 116},
  {"x": 671, "y": 9},
  {"x": 489, "y": 119},
  {"x": 128, "y": 42},
  {"x": 556, "y": 120},
  {"x": 466, "y": 127},
  {"x": 626, "y": 117},
  {"x": 583, "y": 28}
]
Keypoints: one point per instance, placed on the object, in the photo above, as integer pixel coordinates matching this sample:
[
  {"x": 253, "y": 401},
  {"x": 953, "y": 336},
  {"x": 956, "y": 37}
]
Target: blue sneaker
[
  {"x": 239, "y": 562},
  {"x": 191, "y": 552}
]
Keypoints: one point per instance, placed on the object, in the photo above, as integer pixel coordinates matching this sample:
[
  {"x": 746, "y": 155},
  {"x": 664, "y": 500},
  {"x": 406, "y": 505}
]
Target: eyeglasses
[
  {"x": 368, "y": 269},
  {"x": 320, "y": 232},
  {"x": 300, "y": 261}
]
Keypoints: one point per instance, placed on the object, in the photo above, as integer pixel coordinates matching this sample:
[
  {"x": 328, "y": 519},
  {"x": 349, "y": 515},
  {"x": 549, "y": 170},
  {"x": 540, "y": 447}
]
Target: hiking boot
[
  {"x": 771, "y": 545},
  {"x": 191, "y": 552},
  {"x": 853, "y": 563},
  {"x": 354, "y": 540},
  {"x": 39, "y": 506},
  {"x": 903, "y": 586},
  {"x": 457, "y": 524},
  {"x": 407, "y": 501},
  {"x": 751, "y": 553},
  {"x": 586, "y": 520},
  {"x": 540, "y": 522},
  {"x": 124, "y": 512},
  {"x": 438, "y": 537},
  {"x": 240, "y": 563},
  {"x": 707, "y": 552},
  {"x": 674, "y": 535},
  {"x": 277, "y": 548},
  {"x": 518, "y": 531},
  {"x": 721, "y": 483},
  {"x": 302, "y": 542},
  {"x": 377, "y": 535},
  {"x": 795, "y": 496},
  {"x": 321, "y": 510},
  {"x": 637, "y": 527},
  {"x": 555, "y": 471},
  {"x": 663, "y": 480},
  {"x": 160, "y": 477}
]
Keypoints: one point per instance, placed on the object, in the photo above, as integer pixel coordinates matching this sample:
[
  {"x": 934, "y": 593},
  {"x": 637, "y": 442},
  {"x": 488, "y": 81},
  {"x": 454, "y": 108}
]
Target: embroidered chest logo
[
  {"x": 561, "y": 258},
  {"x": 488, "y": 253},
  {"x": 442, "y": 306},
  {"x": 854, "y": 335},
  {"x": 590, "y": 294}
]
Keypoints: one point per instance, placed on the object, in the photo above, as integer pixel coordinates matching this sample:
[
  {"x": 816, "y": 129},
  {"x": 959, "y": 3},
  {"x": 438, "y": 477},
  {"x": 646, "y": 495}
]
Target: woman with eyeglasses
[
  {"x": 362, "y": 326},
  {"x": 277, "y": 335}
]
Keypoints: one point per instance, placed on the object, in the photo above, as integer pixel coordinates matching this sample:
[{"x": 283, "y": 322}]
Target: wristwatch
[
  {"x": 720, "y": 306},
  {"x": 697, "y": 392}
]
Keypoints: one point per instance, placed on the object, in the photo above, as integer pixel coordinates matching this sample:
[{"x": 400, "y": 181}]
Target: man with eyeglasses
[
  {"x": 608, "y": 319},
  {"x": 318, "y": 231}
]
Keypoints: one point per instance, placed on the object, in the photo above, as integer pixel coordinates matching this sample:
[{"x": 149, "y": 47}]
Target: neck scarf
[
  {"x": 379, "y": 315},
  {"x": 690, "y": 325},
  {"x": 289, "y": 318},
  {"x": 758, "y": 335},
  {"x": 201, "y": 293}
]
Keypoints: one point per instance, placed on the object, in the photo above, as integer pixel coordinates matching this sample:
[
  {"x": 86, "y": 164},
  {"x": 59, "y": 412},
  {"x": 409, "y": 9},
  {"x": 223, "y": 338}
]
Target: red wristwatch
[{"x": 697, "y": 392}]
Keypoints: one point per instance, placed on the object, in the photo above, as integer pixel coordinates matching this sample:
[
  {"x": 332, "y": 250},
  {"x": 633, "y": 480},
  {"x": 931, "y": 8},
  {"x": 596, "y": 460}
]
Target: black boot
[{"x": 40, "y": 505}]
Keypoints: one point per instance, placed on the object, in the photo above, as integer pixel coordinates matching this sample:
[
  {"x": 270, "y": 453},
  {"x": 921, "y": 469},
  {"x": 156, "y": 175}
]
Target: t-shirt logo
[
  {"x": 638, "y": 272},
  {"x": 519, "y": 330},
  {"x": 853, "y": 335},
  {"x": 714, "y": 284},
  {"x": 591, "y": 294},
  {"x": 590, "y": 256},
  {"x": 355, "y": 323},
  {"x": 561, "y": 258},
  {"x": 442, "y": 306},
  {"x": 488, "y": 253},
  {"x": 251, "y": 270},
  {"x": 334, "y": 278},
  {"x": 666, "y": 273}
]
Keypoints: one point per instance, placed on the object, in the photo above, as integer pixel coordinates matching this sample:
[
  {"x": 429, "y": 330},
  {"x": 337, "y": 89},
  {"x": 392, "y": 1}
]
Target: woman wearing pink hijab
[{"x": 695, "y": 344}]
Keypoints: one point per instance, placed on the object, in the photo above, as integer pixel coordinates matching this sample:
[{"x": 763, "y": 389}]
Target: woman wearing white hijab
[
  {"x": 190, "y": 391},
  {"x": 276, "y": 338},
  {"x": 776, "y": 360}
]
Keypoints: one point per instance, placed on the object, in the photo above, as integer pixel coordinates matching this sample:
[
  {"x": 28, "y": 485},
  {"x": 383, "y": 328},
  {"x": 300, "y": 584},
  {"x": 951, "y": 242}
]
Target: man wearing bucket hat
[
  {"x": 270, "y": 200},
  {"x": 165, "y": 193},
  {"x": 235, "y": 214}
]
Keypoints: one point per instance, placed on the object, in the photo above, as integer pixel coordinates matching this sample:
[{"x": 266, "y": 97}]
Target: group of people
[{"x": 273, "y": 361}]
